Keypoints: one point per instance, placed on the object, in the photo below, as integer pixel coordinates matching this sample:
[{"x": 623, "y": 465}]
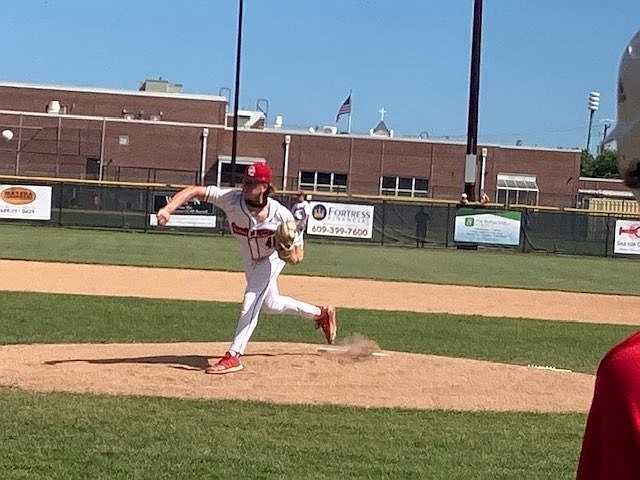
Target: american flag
[{"x": 345, "y": 108}]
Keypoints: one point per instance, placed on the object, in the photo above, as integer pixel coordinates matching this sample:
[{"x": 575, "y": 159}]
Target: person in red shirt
[{"x": 611, "y": 442}]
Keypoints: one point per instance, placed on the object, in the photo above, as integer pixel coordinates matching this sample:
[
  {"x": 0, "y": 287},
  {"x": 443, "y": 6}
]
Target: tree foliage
[{"x": 604, "y": 165}]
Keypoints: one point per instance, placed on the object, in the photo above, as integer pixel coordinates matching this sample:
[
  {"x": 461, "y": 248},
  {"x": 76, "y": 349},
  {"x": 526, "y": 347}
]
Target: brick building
[{"x": 161, "y": 135}]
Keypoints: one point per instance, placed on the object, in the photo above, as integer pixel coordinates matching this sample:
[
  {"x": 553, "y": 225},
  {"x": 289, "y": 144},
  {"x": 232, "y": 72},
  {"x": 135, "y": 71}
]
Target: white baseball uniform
[{"x": 261, "y": 262}]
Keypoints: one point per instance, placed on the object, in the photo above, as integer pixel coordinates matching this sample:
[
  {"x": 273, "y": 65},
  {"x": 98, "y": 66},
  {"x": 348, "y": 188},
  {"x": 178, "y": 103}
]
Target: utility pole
[
  {"x": 604, "y": 136},
  {"x": 234, "y": 138},
  {"x": 471, "y": 167}
]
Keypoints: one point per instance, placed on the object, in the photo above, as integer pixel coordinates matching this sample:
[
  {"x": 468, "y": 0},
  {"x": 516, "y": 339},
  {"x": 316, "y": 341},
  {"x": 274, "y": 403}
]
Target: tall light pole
[
  {"x": 594, "y": 104},
  {"x": 234, "y": 138},
  {"x": 470, "y": 168}
]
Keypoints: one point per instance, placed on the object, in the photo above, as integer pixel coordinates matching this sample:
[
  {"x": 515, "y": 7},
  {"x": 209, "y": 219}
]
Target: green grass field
[
  {"x": 51, "y": 436},
  {"x": 78, "y": 319},
  {"x": 456, "y": 267}
]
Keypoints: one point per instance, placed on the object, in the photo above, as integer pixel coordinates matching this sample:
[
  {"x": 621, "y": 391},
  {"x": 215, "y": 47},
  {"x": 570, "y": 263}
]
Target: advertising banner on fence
[
  {"x": 25, "y": 202},
  {"x": 341, "y": 220},
  {"x": 495, "y": 227},
  {"x": 627, "y": 237},
  {"x": 192, "y": 214}
]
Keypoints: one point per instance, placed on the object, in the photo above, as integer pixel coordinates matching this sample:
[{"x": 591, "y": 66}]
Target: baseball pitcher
[{"x": 266, "y": 234}]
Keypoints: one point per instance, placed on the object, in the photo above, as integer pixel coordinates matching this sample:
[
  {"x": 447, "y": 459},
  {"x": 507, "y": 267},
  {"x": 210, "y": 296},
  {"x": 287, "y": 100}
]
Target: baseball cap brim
[{"x": 253, "y": 180}]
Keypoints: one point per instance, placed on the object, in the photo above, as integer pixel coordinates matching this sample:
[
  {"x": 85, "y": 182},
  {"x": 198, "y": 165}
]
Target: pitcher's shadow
[{"x": 181, "y": 362}]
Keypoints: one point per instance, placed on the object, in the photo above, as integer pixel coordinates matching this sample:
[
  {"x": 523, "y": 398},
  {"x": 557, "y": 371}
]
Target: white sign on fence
[
  {"x": 194, "y": 213},
  {"x": 25, "y": 202},
  {"x": 341, "y": 220},
  {"x": 494, "y": 227},
  {"x": 627, "y": 237}
]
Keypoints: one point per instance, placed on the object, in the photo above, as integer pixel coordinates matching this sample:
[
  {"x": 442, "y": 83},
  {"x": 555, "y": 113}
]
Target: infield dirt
[{"x": 303, "y": 373}]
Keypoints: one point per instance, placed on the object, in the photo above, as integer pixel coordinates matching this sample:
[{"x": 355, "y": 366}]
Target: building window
[
  {"x": 515, "y": 188},
  {"x": 404, "y": 186},
  {"x": 322, "y": 181}
]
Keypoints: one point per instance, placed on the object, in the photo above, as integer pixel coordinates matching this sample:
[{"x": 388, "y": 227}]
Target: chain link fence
[{"x": 396, "y": 222}]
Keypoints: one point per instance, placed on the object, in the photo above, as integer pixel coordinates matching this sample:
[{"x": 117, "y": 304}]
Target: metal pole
[
  {"x": 349, "y": 175},
  {"x": 604, "y": 135},
  {"x": 104, "y": 128},
  {"x": 60, "y": 199},
  {"x": 474, "y": 90},
  {"x": 384, "y": 209},
  {"x": 591, "y": 112},
  {"x": 483, "y": 168},
  {"x": 203, "y": 156},
  {"x": 287, "y": 142},
  {"x": 350, "y": 110},
  {"x": 19, "y": 145},
  {"x": 147, "y": 201},
  {"x": 58, "y": 135},
  {"x": 234, "y": 141}
]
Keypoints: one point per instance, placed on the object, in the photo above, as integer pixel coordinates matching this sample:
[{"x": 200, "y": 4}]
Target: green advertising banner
[{"x": 488, "y": 226}]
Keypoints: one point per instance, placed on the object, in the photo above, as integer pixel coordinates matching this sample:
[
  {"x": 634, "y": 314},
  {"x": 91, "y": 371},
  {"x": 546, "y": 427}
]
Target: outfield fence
[{"x": 395, "y": 221}]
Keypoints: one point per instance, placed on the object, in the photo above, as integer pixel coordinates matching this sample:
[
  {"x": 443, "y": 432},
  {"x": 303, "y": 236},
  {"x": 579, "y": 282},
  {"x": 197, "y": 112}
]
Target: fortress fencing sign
[
  {"x": 25, "y": 202},
  {"x": 341, "y": 220}
]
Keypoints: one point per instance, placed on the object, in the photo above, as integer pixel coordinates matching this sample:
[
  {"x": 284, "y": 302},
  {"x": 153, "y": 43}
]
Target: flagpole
[
  {"x": 350, "y": 108},
  {"x": 345, "y": 108}
]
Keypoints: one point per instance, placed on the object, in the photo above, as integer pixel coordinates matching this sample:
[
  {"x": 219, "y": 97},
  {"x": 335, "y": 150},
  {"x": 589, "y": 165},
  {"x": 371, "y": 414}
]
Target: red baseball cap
[{"x": 258, "y": 172}]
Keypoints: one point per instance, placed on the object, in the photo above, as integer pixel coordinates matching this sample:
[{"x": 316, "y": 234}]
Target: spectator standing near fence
[
  {"x": 301, "y": 210},
  {"x": 422, "y": 221}
]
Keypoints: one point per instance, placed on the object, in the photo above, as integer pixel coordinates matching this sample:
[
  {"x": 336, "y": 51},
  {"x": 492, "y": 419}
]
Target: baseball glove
[{"x": 285, "y": 235}]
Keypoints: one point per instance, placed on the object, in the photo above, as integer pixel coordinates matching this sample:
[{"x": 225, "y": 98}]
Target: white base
[{"x": 345, "y": 350}]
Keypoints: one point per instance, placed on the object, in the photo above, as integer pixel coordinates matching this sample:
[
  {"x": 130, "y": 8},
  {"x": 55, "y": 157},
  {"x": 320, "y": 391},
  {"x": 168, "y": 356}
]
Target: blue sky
[{"x": 540, "y": 58}]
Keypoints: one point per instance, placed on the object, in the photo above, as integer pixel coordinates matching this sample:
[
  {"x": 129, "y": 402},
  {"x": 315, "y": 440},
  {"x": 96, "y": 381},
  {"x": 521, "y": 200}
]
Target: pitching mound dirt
[
  {"x": 291, "y": 373},
  {"x": 355, "y": 372},
  {"x": 354, "y": 348}
]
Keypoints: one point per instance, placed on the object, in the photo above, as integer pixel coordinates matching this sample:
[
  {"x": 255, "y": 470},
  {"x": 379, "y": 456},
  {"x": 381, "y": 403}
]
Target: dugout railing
[{"x": 92, "y": 204}]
